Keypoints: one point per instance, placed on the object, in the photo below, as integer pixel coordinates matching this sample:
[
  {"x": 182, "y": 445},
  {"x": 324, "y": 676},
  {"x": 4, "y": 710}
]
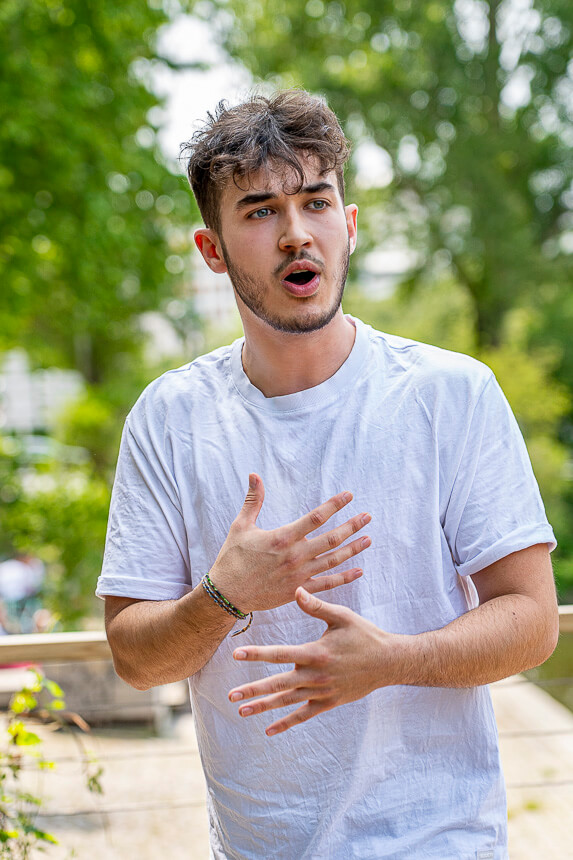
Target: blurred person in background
[
  {"x": 21, "y": 580},
  {"x": 380, "y": 735}
]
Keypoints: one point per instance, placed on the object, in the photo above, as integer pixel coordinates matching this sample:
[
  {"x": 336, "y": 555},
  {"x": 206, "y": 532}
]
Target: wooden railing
[
  {"x": 54, "y": 647},
  {"x": 78, "y": 647}
]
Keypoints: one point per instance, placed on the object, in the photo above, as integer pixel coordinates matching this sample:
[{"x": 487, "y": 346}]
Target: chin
[{"x": 302, "y": 323}]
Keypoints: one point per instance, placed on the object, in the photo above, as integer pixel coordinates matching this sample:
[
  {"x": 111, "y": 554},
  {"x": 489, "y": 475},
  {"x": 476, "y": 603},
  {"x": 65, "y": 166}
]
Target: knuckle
[
  {"x": 334, "y": 560},
  {"x": 280, "y": 541},
  {"x": 333, "y": 540},
  {"x": 321, "y": 658},
  {"x": 317, "y": 518},
  {"x": 328, "y": 583},
  {"x": 291, "y": 560}
]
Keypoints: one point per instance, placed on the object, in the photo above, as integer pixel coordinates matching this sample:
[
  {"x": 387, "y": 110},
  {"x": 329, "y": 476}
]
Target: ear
[
  {"x": 208, "y": 243},
  {"x": 351, "y": 212}
]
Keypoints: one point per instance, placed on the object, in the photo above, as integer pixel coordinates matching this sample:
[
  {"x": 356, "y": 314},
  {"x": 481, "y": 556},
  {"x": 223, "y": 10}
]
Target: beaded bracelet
[{"x": 225, "y": 604}]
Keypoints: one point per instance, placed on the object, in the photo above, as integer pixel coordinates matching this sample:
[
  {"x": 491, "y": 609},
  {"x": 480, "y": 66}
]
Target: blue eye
[
  {"x": 318, "y": 205},
  {"x": 260, "y": 213}
]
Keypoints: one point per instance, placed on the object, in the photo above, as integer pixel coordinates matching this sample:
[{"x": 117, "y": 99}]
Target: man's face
[{"x": 286, "y": 253}]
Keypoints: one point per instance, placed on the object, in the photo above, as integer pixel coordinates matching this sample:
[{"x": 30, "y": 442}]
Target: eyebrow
[{"x": 265, "y": 196}]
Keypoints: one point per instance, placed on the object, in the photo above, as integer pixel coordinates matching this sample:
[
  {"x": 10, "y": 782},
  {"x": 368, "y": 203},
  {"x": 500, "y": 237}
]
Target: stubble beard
[{"x": 252, "y": 293}]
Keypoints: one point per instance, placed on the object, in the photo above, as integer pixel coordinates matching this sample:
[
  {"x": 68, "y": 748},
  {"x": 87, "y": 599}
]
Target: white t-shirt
[{"x": 425, "y": 440}]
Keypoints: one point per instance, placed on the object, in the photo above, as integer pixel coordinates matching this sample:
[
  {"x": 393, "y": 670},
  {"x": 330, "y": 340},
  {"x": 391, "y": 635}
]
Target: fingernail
[
  {"x": 236, "y": 697},
  {"x": 346, "y": 497},
  {"x": 365, "y": 519},
  {"x": 365, "y": 542},
  {"x": 252, "y": 482},
  {"x": 304, "y": 596},
  {"x": 270, "y": 732},
  {"x": 246, "y": 712},
  {"x": 240, "y": 655}
]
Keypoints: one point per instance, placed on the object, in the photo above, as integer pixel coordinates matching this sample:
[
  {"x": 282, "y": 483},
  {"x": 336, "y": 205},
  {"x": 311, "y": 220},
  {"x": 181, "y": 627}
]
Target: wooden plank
[{"x": 54, "y": 647}]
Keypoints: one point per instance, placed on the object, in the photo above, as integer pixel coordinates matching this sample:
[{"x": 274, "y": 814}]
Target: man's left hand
[{"x": 340, "y": 667}]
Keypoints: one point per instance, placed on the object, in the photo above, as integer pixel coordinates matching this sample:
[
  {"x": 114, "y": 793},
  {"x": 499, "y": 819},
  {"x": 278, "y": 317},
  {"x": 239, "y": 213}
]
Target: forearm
[
  {"x": 505, "y": 635},
  {"x": 157, "y": 642}
]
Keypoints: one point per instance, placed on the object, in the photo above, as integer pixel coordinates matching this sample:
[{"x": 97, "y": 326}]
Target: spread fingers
[
  {"x": 330, "y": 560},
  {"x": 333, "y": 539},
  {"x": 320, "y": 515},
  {"x": 278, "y": 700}
]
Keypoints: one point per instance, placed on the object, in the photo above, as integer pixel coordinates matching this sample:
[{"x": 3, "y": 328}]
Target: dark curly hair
[{"x": 238, "y": 141}]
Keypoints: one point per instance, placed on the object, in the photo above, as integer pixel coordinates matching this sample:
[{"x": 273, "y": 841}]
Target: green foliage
[
  {"x": 540, "y": 404},
  {"x": 93, "y": 423},
  {"x": 19, "y": 835},
  {"x": 57, "y": 512},
  {"x": 94, "y": 231},
  {"x": 90, "y": 217}
]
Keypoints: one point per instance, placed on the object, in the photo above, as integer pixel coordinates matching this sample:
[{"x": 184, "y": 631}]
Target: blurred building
[{"x": 31, "y": 400}]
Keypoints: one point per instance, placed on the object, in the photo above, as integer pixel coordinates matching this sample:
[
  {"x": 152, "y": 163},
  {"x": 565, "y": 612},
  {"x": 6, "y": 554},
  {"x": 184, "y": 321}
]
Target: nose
[{"x": 294, "y": 232}]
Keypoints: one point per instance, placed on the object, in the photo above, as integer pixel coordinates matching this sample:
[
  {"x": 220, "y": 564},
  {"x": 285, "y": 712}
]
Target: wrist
[
  {"x": 230, "y": 590},
  {"x": 402, "y": 658},
  {"x": 225, "y": 604}
]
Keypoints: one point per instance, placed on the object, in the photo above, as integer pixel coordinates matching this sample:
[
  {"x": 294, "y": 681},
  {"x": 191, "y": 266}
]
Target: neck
[{"x": 279, "y": 363}]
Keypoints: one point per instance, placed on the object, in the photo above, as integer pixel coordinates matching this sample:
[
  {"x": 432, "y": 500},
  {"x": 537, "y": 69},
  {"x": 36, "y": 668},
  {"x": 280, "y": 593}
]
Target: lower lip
[{"x": 302, "y": 290}]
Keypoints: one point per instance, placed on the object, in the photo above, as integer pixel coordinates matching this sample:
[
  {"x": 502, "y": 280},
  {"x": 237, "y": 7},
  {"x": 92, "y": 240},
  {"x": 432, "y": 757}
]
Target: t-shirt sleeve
[
  {"x": 494, "y": 507},
  {"x": 146, "y": 554}
]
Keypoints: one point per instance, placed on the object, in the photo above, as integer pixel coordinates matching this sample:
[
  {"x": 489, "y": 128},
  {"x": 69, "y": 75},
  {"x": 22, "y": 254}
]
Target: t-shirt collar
[{"x": 328, "y": 390}]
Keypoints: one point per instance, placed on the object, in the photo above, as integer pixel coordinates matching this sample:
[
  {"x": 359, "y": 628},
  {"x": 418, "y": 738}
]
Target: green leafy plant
[{"x": 21, "y": 749}]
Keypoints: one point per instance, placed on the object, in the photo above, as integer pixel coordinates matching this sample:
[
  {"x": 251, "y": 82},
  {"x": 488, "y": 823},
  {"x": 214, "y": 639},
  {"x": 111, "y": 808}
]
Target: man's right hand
[{"x": 258, "y": 569}]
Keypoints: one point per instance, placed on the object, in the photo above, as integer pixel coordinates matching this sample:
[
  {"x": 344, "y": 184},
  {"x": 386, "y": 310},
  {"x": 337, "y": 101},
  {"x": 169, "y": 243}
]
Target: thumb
[
  {"x": 312, "y": 605},
  {"x": 254, "y": 499}
]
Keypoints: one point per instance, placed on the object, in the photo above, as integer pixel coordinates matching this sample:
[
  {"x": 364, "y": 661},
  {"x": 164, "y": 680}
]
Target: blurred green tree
[
  {"x": 89, "y": 212},
  {"x": 471, "y": 103},
  {"x": 94, "y": 231},
  {"x": 56, "y": 511}
]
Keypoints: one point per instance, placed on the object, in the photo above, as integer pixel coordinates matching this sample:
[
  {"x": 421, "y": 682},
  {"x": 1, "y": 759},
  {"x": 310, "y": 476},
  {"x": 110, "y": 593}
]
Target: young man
[{"x": 397, "y": 752}]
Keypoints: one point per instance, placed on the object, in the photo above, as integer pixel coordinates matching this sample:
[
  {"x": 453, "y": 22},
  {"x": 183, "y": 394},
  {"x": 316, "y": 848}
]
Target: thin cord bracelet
[
  {"x": 208, "y": 583},
  {"x": 225, "y": 604}
]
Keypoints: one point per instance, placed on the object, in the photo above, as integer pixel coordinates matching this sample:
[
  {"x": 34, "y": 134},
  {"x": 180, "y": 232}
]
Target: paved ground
[
  {"x": 536, "y": 736},
  {"x": 153, "y": 801}
]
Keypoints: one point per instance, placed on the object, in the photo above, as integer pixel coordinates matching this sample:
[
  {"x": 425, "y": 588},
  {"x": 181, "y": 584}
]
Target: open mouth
[{"x": 300, "y": 278}]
